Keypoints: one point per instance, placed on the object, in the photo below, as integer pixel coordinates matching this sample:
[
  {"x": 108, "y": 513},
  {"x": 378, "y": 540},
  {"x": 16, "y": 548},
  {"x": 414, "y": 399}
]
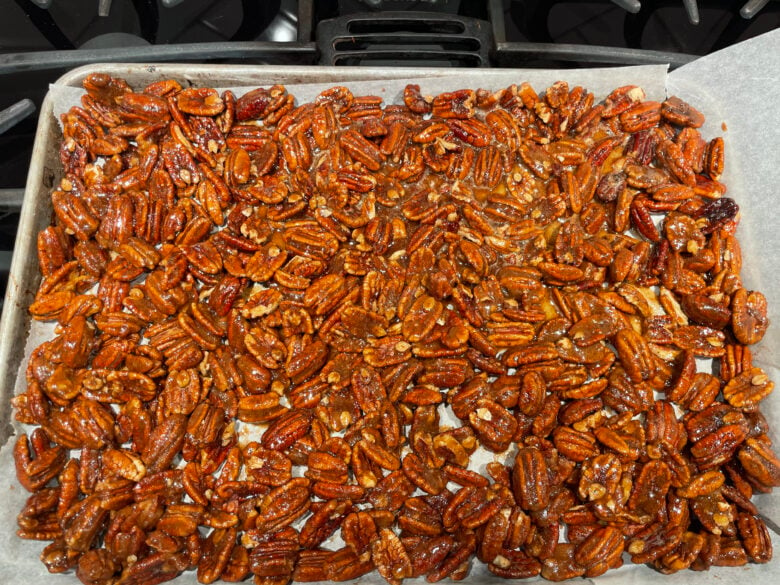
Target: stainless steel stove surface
[{"x": 41, "y": 39}]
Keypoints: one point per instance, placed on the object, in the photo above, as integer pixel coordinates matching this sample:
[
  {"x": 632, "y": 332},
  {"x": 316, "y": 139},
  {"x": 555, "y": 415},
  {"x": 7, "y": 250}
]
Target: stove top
[{"x": 41, "y": 39}]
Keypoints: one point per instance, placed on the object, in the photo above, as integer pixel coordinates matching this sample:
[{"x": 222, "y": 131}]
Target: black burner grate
[{"x": 389, "y": 38}]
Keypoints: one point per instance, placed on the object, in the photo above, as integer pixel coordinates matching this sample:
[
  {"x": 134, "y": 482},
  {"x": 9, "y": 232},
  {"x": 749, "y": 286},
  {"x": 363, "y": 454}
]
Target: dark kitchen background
[{"x": 41, "y": 39}]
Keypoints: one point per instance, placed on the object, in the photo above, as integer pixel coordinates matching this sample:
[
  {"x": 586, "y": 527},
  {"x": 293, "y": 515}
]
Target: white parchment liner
[{"x": 734, "y": 86}]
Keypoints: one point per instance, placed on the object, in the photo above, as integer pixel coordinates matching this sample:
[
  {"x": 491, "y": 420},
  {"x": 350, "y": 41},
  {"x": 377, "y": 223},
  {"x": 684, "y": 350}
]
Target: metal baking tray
[{"x": 45, "y": 170}]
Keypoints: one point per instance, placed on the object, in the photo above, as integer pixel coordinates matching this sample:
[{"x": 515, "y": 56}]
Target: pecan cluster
[{"x": 279, "y": 323}]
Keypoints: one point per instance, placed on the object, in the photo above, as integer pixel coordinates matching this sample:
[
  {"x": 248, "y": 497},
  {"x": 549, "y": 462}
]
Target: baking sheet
[{"x": 733, "y": 86}]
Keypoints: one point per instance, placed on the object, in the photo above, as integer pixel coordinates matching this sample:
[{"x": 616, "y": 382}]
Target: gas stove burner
[{"x": 284, "y": 27}]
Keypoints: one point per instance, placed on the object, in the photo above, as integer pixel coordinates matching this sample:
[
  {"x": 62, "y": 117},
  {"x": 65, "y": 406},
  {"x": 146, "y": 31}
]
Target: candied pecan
[
  {"x": 680, "y": 112},
  {"x": 749, "y": 320},
  {"x": 530, "y": 479}
]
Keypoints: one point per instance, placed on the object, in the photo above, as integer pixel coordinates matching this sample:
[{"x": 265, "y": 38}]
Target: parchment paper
[
  {"x": 734, "y": 86},
  {"x": 738, "y": 87}
]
